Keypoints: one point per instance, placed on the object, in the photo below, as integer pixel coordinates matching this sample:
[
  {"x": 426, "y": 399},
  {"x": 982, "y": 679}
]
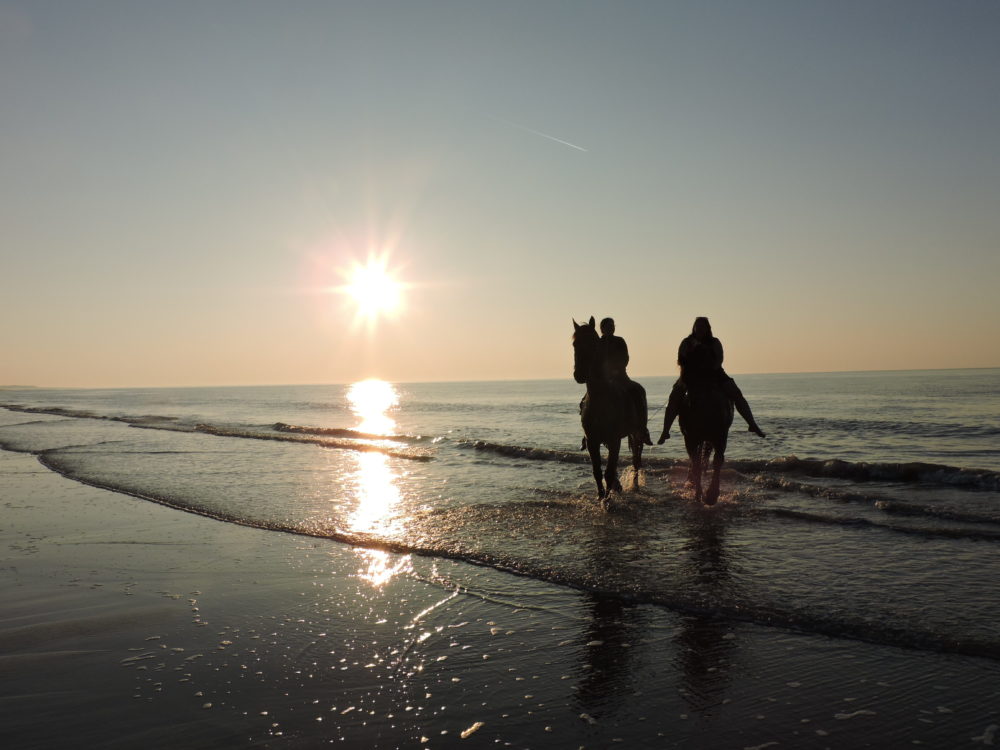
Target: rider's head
[
  {"x": 701, "y": 329},
  {"x": 607, "y": 327}
]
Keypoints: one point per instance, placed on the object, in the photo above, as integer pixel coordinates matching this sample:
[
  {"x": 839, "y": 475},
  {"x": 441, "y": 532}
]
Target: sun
[{"x": 373, "y": 289}]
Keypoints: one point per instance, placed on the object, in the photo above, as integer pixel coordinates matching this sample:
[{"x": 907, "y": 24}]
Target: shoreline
[{"x": 128, "y": 623}]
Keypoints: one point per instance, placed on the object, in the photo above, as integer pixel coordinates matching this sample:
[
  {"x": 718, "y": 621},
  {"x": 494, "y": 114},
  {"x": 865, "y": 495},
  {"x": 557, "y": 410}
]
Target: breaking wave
[
  {"x": 529, "y": 453},
  {"x": 346, "y": 433},
  {"x": 345, "y": 439},
  {"x": 914, "y": 472}
]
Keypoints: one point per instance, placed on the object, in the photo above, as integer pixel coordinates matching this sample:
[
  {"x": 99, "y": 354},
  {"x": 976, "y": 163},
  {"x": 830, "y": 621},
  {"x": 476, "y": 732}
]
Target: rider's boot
[
  {"x": 668, "y": 420},
  {"x": 736, "y": 396},
  {"x": 744, "y": 409}
]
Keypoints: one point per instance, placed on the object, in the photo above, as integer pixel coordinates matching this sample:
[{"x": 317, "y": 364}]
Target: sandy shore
[{"x": 126, "y": 624}]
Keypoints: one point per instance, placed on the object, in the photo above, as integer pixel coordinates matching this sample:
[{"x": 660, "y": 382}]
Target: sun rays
[{"x": 373, "y": 289}]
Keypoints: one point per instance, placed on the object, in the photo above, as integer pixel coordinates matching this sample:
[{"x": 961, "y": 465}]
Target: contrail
[{"x": 543, "y": 135}]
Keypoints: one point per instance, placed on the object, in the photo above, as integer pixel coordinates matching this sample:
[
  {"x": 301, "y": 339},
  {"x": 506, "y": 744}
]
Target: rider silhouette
[
  {"x": 612, "y": 353},
  {"x": 700, "y": 357}
]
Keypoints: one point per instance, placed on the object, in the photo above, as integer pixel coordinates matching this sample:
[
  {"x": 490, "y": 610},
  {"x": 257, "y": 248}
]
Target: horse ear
[
  {"x": 576, "y": 326},
  {"x": 592, "y": 323}
]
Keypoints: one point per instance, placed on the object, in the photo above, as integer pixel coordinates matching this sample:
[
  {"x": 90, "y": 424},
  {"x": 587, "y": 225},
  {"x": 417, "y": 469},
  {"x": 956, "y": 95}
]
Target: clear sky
[{"x": 184, "y": 185}]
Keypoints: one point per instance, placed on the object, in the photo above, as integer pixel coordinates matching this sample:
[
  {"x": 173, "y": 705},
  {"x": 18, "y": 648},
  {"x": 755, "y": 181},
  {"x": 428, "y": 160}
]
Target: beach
[
  {"x": 130, "y": 624},
  {"x": 359, "y": 358}
]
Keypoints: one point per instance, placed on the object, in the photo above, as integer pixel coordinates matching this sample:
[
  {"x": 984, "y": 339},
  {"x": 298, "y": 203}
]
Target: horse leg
[
  {"x": 635, "y": 443},
  {"x": 720, "y": 456},
  {"x": 594, "y": 448},
  {"x": 611, "y": 473},
  {"x": 713, "y": 490},
  {"x": 694, "y": 477}
]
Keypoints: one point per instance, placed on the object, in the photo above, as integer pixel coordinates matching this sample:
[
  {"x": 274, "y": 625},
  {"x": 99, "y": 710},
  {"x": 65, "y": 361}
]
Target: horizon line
[{"x": 472, "y": 380}]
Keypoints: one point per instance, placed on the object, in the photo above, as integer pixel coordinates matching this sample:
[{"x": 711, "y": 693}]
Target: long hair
[{"x": 707, "y": 325}]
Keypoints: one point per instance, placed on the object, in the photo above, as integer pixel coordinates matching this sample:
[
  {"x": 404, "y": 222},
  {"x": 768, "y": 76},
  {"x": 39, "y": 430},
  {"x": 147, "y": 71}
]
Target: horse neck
[{"x": 597, "y": 383}]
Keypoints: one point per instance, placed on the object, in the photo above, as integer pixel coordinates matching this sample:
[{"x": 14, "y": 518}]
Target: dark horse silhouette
[
  {"x": 608, "y": 412},
  {"x": 705, "y": 417}
]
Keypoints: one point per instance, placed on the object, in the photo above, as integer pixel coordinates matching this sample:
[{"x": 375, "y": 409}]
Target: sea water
[{"x": 871, "y": 511}]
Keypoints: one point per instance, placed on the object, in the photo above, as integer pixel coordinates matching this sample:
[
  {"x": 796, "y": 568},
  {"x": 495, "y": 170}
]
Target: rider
[
  {"x": 613, "y": 353},
  {"x": 700, "y": 356}
]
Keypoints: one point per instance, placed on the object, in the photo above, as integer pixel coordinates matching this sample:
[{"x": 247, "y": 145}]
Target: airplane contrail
[{"x": 543, "y": 135}]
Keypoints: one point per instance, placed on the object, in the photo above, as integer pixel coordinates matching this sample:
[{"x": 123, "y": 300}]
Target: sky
[{"x": 185, "y": 186}]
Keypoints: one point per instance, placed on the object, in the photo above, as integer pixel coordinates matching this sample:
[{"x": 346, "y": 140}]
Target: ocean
[{"x": 871, "y": 511}]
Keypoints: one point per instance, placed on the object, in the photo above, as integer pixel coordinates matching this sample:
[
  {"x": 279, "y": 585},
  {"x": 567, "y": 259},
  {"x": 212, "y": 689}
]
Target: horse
[
  {"x": 705, "y": 416},
  {"x": 608, "y": 413}
]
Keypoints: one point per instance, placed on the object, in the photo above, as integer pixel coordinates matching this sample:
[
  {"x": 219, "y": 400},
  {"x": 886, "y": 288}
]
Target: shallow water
[{"x": 871, "y": 511}]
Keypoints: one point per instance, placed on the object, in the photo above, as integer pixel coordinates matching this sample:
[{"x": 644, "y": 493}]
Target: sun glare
[{"x": 373, "y": 289}]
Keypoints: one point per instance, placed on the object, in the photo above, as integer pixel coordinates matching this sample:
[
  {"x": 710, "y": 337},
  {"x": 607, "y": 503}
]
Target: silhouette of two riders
[{"x": 700, "y": 358}]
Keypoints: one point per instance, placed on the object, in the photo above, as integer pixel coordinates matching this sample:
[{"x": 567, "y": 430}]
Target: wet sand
[{"x": 127, "y": 624}]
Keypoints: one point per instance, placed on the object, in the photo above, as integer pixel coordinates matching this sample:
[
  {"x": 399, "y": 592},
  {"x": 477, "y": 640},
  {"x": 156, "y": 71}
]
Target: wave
[
  {"x": 930, "y": 532},
  {"x": 209, "y": 429},
  {"x": 910, "y": 473},
  {"x": 881, "y": 502},
  {"x": 918, "y": 428},
  {"x": 548, "y": 454},
  {"x": 913, "y": 472},
  {"x": 346, "y": 433},
  {"x": 351, "y": 440},
  {"x": 524, "y": 452},
  {"x": 59, "y": 411}
]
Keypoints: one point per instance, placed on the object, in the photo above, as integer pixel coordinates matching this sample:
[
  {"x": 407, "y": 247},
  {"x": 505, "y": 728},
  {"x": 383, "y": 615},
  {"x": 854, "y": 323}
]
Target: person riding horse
[
  {"x": 613, "y": 353},
  {"x": 613, "y": 408},
  {"x": 700, "y": 358}
]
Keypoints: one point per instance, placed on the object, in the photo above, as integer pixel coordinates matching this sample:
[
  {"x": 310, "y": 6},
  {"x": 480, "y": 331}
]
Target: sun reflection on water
[
  {"x": 370, "y": 400},
  {"x": 378, "y": 567},
  {"x": 376, "y": 492},
  {"x": 376, "y": 483}
]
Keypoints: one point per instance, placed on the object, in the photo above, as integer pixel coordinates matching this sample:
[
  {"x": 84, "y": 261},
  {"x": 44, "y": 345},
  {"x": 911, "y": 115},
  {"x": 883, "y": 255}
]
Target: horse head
[{"x": 585, "y": 340}]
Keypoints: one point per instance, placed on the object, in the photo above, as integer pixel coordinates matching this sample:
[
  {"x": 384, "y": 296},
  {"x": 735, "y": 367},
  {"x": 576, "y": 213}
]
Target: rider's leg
[
  {"x": 642, "y": 411},
  {"x": 673, "y": 407},
  {"x": 736, "y": 396}
]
